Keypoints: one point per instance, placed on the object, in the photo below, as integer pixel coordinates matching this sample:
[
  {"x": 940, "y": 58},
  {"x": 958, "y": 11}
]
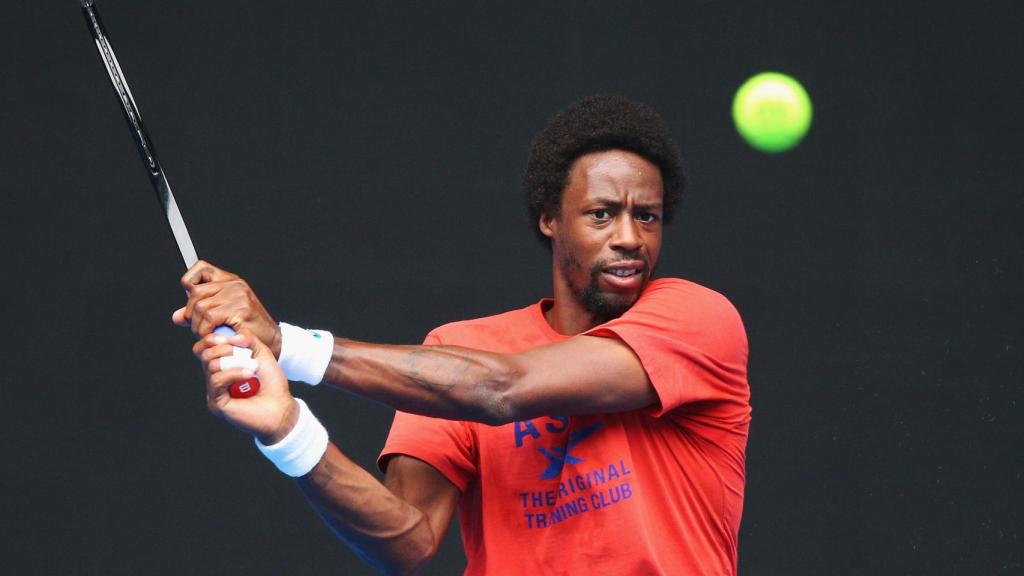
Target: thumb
[{"x": 178, "y": 317}]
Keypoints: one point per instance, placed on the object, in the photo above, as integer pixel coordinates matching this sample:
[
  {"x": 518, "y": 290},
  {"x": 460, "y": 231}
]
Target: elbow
[
  {"x": 501, "y": 401},
  {"x": 410, "y": 567},
  {"x": 498, "y": 411},
  {"x": 411, "y": 555},
  {"x": 417, "y": 560}
]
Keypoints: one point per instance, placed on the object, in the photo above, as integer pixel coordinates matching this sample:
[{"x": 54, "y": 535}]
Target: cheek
[
  {"x": 581, "y": 242},
  {"x": 566, "y": 252},
  {"x": 568, "y": 262},
  {"x": 590, "y": 240},
  {"x": 653, "y": 243}
]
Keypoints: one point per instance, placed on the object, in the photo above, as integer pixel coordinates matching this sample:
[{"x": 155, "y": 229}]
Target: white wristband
[
  {"x": 305, "y": 354},
  {"x": 298, "y": 452}
]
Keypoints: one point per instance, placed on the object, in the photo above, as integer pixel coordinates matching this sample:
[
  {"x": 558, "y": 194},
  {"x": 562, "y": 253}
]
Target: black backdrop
[{"x": 359, "y": 163}]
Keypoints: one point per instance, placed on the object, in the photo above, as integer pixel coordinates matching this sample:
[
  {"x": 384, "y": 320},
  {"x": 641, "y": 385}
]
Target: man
[{"x": 599, "y": 432}]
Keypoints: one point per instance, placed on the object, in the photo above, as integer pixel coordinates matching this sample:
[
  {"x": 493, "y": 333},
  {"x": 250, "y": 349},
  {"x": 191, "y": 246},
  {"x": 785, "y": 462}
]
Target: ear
[{"x": 547, "y": 224}]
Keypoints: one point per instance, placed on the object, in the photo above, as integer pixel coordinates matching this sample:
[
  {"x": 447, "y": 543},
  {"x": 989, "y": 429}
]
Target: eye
[
  {"x": 601, "y": 214},
  {"x": 647, "y": 217}
]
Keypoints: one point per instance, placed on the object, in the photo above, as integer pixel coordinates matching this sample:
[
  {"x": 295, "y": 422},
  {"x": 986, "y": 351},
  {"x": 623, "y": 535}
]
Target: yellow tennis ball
[{"x": 772, "y": 112}]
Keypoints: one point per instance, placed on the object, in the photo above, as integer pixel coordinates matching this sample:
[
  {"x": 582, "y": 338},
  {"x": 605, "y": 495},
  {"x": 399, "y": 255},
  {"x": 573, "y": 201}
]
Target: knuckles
[
  {"x": 207, "y": 356},
  {"x": 240, "y": 290},
  {"x": 206, "y": 297}
]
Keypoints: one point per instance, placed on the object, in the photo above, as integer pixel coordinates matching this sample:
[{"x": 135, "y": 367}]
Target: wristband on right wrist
[
  {"x": 302, "y": 448},
  {"x": 305, "y": 354}
]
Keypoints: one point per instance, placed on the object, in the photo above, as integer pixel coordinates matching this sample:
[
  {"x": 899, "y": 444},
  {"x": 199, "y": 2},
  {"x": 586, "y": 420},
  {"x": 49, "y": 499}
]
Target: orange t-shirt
[{"x": 655, "y": 491}]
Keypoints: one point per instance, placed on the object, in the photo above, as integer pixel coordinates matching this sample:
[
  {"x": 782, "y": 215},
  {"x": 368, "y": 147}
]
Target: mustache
[{"x": 625, "y": 257}]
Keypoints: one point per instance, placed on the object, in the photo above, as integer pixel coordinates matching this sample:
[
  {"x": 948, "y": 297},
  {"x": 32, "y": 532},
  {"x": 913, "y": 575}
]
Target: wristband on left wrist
[{"x": 305, "y": 354}]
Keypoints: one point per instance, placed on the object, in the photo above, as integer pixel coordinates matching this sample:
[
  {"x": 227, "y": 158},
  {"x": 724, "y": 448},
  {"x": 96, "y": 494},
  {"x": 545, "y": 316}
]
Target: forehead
[{"x": 614, "y": 174}]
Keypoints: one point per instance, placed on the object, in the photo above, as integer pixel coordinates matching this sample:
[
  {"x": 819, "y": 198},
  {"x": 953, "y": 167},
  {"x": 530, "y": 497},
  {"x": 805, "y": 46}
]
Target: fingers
[
  {"x": 202, "y": 281},
  {"x": 224, "y": 366},
  {"x": 269, "y": 415},
  {"x": 201, "y": 302},
  {"x": 218, "y": 385},
  {"x": 206, "y": 316},
  {"x": 211, "y": 350},
  {"x": 206, "y": 342},
  {"x": 240, "y": 359},
  {"x": 213, "y": 347},
  {"x": 264, "y": 356},
  {"x": 203, "y": 272},
  {"x": 215, "y": 303},
  {"x": 217, "y": 297},
  {"x": 179, "y": 318},
  {"x": 270, "y": 373},
  {"x": 250, "y": 341}
]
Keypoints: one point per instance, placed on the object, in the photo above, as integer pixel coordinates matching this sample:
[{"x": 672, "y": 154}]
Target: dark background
[{"x": 359, "y": 164}]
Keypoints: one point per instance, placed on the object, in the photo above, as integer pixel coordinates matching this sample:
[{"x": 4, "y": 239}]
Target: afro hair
[{"x": 594, "y": 124}]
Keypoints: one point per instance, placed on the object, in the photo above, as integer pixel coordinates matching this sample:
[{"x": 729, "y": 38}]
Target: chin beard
[{"x": 604, "y": 306}]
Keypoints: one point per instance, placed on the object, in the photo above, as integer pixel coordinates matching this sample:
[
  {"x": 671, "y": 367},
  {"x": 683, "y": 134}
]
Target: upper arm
[
  {"x": 679, "y": 344},
  {"x": 425, "y": 488},
  {"x": 581, "y": 375}
]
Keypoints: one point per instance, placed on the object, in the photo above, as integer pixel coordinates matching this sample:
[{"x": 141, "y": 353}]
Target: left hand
[
  {"x": 272, "y": 412},
  {"x": 217, "y": 297}
]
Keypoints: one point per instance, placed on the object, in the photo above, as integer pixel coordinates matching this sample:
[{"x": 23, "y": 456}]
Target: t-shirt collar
[{"x": 537, "y": 314}]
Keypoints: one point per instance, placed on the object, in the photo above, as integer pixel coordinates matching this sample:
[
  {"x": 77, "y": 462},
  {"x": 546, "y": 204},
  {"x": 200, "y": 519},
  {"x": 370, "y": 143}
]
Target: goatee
[{"x": 603, "y": 306}]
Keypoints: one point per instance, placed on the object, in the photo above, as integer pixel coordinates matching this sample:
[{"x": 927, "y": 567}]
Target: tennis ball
[{"x": 772, "y": 112}]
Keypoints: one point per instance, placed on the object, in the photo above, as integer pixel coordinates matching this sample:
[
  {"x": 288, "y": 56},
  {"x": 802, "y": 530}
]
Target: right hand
[
  {"x": 217, "y": 297},
  {"x": 272, "y": 412}
]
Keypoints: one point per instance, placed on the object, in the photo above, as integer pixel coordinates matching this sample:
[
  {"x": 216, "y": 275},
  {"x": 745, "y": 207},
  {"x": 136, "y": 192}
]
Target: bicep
[
  {"x": 425, "y": 488},
  {"x": 581, "y": 375}
]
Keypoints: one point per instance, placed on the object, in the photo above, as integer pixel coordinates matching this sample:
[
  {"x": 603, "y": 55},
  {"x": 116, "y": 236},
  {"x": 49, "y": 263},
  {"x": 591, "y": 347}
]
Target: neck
[{"x": 567, "y": 315}]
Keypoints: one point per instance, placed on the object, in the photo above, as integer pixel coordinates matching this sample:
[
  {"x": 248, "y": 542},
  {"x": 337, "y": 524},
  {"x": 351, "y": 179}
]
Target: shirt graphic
[{"x": 559, "y": 457}]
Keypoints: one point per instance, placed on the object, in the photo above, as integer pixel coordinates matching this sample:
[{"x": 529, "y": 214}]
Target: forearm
[
  {"x": 383, "y": 529},
  {"x": 439, "y": 381}
]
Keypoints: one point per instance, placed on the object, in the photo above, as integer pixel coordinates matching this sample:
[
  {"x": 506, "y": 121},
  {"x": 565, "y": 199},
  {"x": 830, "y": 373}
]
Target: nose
[{"x": 626, "y": 235}]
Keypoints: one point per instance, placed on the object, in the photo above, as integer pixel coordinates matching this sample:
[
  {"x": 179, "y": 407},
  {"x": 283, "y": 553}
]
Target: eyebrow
[{"x": 615, "y": 202}]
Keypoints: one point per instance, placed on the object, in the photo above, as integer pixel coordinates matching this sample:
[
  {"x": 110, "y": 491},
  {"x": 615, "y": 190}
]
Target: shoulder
[
  {"x": 691, "y": 343},
  {"x": 677, "y": 296},
  {"x": 676, "y": 312}
]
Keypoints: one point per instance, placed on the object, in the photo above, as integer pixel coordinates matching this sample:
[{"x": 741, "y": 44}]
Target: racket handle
[{"x": 244, "y": 388}]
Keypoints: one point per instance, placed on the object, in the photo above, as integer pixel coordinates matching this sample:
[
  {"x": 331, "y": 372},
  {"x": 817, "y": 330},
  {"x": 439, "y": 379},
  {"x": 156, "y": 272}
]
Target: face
[{"x": 606, "y": 240}]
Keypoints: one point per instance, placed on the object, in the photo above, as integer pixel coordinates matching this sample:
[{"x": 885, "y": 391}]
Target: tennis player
[{"x": 601, "y": 431}]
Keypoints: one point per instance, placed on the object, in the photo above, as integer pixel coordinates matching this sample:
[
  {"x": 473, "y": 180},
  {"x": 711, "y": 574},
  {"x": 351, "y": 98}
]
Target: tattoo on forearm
[{"x": 444, "y": 370}]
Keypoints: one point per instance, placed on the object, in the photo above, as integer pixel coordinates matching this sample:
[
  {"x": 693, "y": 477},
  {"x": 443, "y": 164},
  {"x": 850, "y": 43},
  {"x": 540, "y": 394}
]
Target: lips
[{"x": 625, "y": 274}]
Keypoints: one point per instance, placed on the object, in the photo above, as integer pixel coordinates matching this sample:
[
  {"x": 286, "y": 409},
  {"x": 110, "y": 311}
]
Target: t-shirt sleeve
[
  {"x": 447, "y": 445},
  {"x": 693, "y": 346}
]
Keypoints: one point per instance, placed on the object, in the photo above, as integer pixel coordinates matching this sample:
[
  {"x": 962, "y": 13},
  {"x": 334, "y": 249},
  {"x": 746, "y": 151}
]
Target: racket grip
[{"x": 244, "y": 388}]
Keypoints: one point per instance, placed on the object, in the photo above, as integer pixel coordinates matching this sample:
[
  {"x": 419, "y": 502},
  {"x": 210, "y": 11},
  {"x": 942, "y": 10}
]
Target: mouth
[{"x": 624, "y": 275}]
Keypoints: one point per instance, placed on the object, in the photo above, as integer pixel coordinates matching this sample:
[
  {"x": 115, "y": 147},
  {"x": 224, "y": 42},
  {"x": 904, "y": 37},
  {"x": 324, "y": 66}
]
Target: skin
[
  {"x": 610, "y": 219},
  {"x": 611, "y": 216}
]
